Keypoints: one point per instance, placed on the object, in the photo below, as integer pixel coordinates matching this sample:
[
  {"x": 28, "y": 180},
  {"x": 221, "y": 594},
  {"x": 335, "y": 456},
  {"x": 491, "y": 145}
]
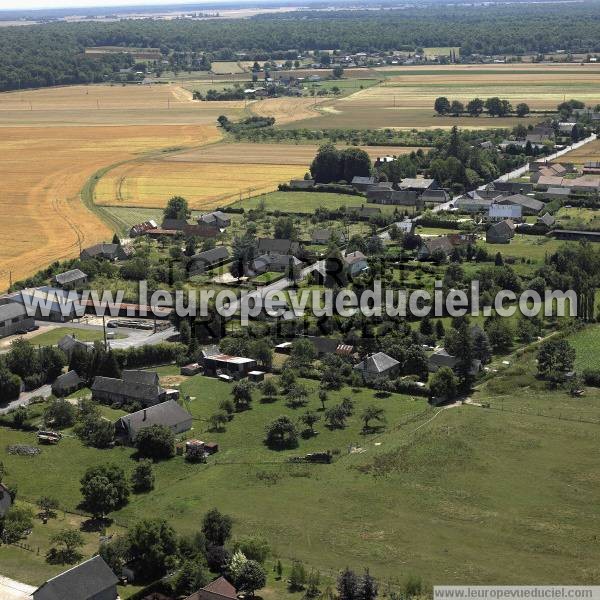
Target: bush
[{"x": 156, "y": 442}]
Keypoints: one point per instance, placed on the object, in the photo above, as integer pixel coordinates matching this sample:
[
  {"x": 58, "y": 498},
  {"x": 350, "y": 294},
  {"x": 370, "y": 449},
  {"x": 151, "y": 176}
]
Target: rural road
[{"x": 25, "y": 398}]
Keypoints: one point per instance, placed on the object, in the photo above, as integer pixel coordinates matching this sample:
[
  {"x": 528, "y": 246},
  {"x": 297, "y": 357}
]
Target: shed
[{"x": 66, "y": 384}]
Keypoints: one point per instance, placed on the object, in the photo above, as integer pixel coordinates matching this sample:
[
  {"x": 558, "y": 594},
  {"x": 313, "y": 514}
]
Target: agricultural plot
[
  {"x": 300, "y": 202},
  {"x": 587, "y": 345},
  {"x": 406, "y": 98},
  {"x": 226, "y": 67},
  {"x": 432, "y": 53},
  {"x": 587, "y": 152}
]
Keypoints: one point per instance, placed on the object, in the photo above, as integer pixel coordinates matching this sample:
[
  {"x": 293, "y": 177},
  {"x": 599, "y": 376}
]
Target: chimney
[{"x": 144, "y": 415}]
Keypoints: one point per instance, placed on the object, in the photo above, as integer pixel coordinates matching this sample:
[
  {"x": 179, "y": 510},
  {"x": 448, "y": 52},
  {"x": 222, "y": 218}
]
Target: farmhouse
[
  {"x": 406, "y": 198},
  {"x": 418, "y": 184},
  {"x": 362, "y": 184},
  {"x": 90, "y": 580},
  {"x": 66, "y": 384},
  {"x": 71, "y": 279},
  {"x": 203, "y": 261},
  {"x": 278, "y": 246},
  {"x": 500, "y": 233},
  {"x": 69, "y": 343},
  {"x": 168, "y": 413},
  {"x": 219, "y": 589},
  {"x": 356, "y": 263},
  {"x": 510, "y": 187},
  {"x": 216, "y": 219},
  {"x": 546, "y": 220},
  {"x": 274, "y": 262},
  {"x": 530, "y": 206},
  {"x": 107, "y": 252},
  {"x": 215, "y": 363},
  {"x": 377, "y": 366},
  {"x": 13, "y": 318},
  {"x": 324, "y": 236},
  {"x": 302, "y": 184},
  {"x": 441, "y": 358},
  {"x": 135, "y": 386},
  {"x": 363, "y": 213},
  {"x": 556, "y": 193},
  {"x": 434, "y": 197},
  {"x": 445, "y": 243},
  {"x": 142, "y": 228}
]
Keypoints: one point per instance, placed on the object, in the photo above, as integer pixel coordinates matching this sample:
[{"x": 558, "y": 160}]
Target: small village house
[
  {"x": 135, "y": 386},
  {"x": 441, "y": 358},
  {"x": 204, "y": 261},
  {"x": 377, "y": 366},
  {"x": 500, "y": 233},
  {"x": 110, "y": 252},
  {"x": 219, "y": 589},
  {"x": 71, "y": 279},
  {"x": 67, "y": 384},
  {"x": 13, "y": 318},
  {"x": 215, "y": 364},
  {"x": 356, "y": 263}
]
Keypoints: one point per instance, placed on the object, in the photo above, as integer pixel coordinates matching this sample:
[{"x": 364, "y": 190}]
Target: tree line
[{"x": 495, "y": 107}]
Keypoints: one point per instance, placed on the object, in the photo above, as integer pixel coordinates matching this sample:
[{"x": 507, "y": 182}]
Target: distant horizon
[{"x": 27, "y": 5}]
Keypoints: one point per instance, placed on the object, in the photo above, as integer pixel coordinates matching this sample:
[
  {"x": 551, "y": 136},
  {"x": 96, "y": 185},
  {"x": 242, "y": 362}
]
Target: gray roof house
[
  {"x": 377, "y": 366},
  {"x": 66, "y": 384},
  {"x": 68, "y": 343},
  {"x": 168, "y": 413},
  {"x": 273, "y": 262},
  {"x": 501, "y": 232},
  {"x": 202, "y": 261},
  {"x": 302, "y": 184},
  {"x": 107, "y": 252},
  {"x": 135, "y": 386},
  {"x": 407, "y": 198},
  {"x": 71, "y": 279},
  {"x": 174, "y": 224},
  {"x": 277, "y": 246},
  {"x": 362, "y": 184},
  {"x": 13, "y": 317},
  {"x": 547, "y": 220},
  {"x": 5, "y": 500},
  {"x": 217, "y": 218},
  {"x": 324, "y": 235},
  {"x": 431, "y": 197},
  {"x": 530, "y": 206},
  {"x": 441, "y": 358},
  {"x": 90, "y": 580},
  {"x": 417, "y": 184}
]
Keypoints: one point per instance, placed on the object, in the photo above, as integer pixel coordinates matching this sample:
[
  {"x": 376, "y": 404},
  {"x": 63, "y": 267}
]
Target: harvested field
[
  {"x": 587, "y": 152},
  {"x": 285, "y": 110},
  {"x": 291, "y": 154},
  {"x": 111, "y": 105},
  {"x": 406, "y": 99},
  {"x": 42, "y": 171},
  {"x": 226, "y": 67},
  {"x": 206, "y": 185}
]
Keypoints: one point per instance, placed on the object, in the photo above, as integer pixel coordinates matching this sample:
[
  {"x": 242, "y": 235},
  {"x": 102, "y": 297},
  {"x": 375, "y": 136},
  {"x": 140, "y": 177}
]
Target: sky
[{"x": 33, "y": 4}]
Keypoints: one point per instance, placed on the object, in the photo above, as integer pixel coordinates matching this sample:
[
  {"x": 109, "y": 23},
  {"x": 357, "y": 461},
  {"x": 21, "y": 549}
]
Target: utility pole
[{"x": 104, "y": 331}]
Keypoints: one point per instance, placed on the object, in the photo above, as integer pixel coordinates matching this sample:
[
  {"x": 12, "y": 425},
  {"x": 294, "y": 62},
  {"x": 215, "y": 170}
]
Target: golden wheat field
[
  {"x": 205, "y": 185},
  {"x": 587, "y": 153},
  {"x": 44, "y": 168}
]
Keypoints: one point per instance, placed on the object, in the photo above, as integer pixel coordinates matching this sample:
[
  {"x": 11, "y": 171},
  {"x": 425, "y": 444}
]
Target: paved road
[{"x": 25, "y": 398}]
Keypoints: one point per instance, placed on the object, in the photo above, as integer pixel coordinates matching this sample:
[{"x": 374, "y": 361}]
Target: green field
[
  {"x": 587, "y": 345},
  {"x": 464, "y": 494},
  {"x": 52, "y": 336}
]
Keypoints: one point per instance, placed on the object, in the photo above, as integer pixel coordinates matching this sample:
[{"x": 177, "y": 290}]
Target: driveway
[
  {"x": 24, "y": 399},
  {"x": 15, "y": 590}
]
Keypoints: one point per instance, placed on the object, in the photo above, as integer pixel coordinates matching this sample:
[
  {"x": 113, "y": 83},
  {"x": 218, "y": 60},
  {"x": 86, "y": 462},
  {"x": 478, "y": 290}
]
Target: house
[
  {"x": 556, "y": 193},
  {"x": 134, "y": 386},
  {"x": 324, "y": 236},
  {"x": 405, "y": 226},
  {"x": 569, "y": 234},
  {"x": 510, "y": 187},
  {"x": 505, "y": 211},
  {"x": 356, "y": 263},
  {"x": 377, "y": 366},
  {"x": 71, "y": 279},
  {"x": 441, "y": 358},
  {"x": 591, "y": 167},
  {"x": 5, "y": 500},
  {"x": 235, "y": 366},
  {"x": 142, "y": 228},
  {"x": 66, "y": 384},
  {"x": 546, "y": 220},
  {"x": 68, "y": 343},
  {"x": 219, "y": 589},
  {"x": 279, "y": 263},
  {"x": 13, "y": 318},
  {"x": 107, "y": 252},
  {"x": 277, "y": 246},
  {"x": 324, "y": 345},
  {"x": 363, "y": 213},
  {"x": 418, "y": 184},
  {"x": 216, "y": 218},
  {"x": 168, "y": 414},
  {"x": 302, "y": 184},
  {"x": 500, "y": 233},
  {"x": 474, "y": 203},
  {"x": 362, "y": 184},
  {"x": 50, "y": 303},
  {"x": 530, "y": 205},
  {"x": 174, "y": 224},
  {"x": 90, "y": 580},
  {"x": 445, "y": 243},
  {"x": 405, "y": 198},
  {"x": 566, "y": 128},
  {"x": 204, "y": 261},
  {"x": 434, "y": 197}
]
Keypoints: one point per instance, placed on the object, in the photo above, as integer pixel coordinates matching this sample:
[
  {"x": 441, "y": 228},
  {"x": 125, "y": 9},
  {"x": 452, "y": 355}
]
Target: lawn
[
  {"x": 268, "y": 277},
  {"x": 587, "y": 346},
  {"x": 52, "y": 336}
]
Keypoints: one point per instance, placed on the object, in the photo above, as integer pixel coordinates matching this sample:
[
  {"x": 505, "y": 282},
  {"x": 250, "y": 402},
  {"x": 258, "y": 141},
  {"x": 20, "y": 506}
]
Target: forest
[{"x": 52, "y": 54}]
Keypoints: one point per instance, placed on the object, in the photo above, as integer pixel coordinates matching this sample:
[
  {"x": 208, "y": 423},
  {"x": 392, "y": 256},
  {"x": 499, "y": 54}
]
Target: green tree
[
  {"x": 253, "y": 548},
  {"x": 457, "y": 108},
  {"x": 338, "y": 71},
  {"x": 47, "y": 505},
  {"x": 442, "y": 105},
  {"x": 372, "y": 413},
  {"x": 217, "y": 421},
  {"x": 522, "y": 109},
  {"x": 297, "y": 577},
  {"x": 156, "y": 442},
  {"x": 65, "y": 546},
  {"x": 177, "y": 208},
  {"x": 475, "y": 107},
  {"x": 192, "y": 576},
  {"x": 216, "y": 527},
  {"x": 10, "y": 385},
  {"x": 269, "y": 388},
  {"x": 281, "y": 433},
  {"x": 242, "y": 395},
  {"x": 104, "y": 488},
  {"x": 444, "y": 384},
  {"x": 555, "y": 358},
  {"x": 142, "y": 478},
  {"x": 326, "y": 166},
  {"x": 252, "y": 577},
  {"x": 310, "y": 419},
  {"x": 60, "y": 414},
  {"x": 355, "y": 162},
  {"x": 153, "y": 547}
]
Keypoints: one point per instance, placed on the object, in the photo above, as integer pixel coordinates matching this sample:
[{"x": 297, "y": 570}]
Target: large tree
[
  {"x": 104, "y": 488},
  {"x": 156, "y": 442},
  {"x": 216, "y": 527},
  {"x": 326, "y": 166},
  {"x": 177, "y": 208}
]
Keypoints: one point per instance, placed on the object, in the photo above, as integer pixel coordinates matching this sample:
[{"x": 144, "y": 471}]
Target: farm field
[
  {"x": 111, "y": 105},
  {"x": 587, "y": 346},
  {"x": 431, "y": 515},
  {"x": 587, "y": 152},
  {"x": 405, "y": 99},
  {"x": 226, "y": 67},
  {"x": 214, "y": 175}
]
